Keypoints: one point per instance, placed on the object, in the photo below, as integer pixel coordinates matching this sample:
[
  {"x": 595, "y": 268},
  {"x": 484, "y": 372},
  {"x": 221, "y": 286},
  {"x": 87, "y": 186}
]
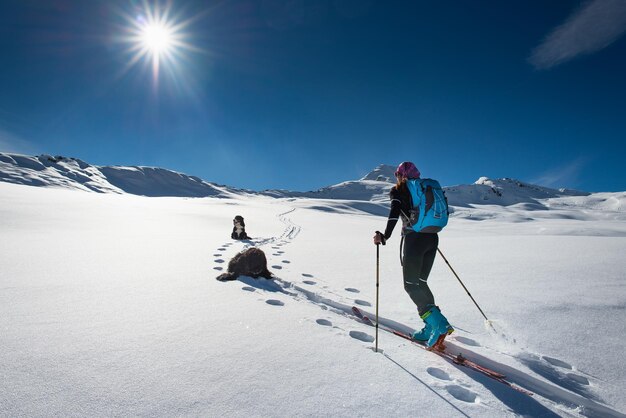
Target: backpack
[{"x": 429, "y": 211}]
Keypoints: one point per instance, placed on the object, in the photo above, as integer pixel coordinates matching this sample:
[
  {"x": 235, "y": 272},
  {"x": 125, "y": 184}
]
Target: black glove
[{"x": 381, "y": 237}]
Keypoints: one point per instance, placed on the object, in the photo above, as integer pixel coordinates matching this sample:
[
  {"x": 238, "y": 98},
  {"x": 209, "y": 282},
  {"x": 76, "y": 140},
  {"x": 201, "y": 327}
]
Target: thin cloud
[
  {"x": 14, "y": 144},
  {"x": 561, "y": 176},
  {"x": 594, "y": 26}
]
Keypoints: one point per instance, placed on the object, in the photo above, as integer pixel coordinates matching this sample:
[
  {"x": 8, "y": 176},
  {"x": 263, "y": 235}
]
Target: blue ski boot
[
  {"x": 424, "y": 334},
  {"x": 439, "y": 325}
]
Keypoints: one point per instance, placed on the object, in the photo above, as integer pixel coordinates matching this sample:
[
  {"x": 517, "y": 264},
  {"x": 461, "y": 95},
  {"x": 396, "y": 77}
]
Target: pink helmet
[{"x": 407, "y": 170}]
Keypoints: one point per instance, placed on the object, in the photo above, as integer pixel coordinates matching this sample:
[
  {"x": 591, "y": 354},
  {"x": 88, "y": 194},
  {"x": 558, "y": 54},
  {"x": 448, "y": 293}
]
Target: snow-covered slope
[
  {"x": 372, "y": 187},
  {"x": 383, "y": 172},
  {"x": 109, "y": 307},
  {"x": 504, "y": 192},
  {"x": 72, "y": 173},
  {"x": 523, "y": 201}
]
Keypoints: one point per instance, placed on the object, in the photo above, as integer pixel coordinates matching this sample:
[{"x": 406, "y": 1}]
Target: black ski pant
[{"x": 419, "y": 254}]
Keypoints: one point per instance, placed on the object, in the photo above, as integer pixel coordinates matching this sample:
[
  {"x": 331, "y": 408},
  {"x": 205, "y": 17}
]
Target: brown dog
[{"x": 250, "y": 262}]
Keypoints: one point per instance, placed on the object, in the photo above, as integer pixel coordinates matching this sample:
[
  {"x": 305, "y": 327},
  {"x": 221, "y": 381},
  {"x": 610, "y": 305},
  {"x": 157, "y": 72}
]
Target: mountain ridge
[{"x": 73, "y": 173}]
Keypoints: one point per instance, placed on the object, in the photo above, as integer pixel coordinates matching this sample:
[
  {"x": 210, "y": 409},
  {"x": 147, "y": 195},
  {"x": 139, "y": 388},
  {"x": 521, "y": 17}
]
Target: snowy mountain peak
[
  {"x": 72, "y": 173},
  {"x": 484, "y": 180},
  {"x": 383, "y": 172},
  {"x": 508, "y": 184},
  {"x": 504, "y": 191},
  {"x": 369, "y": 194}
]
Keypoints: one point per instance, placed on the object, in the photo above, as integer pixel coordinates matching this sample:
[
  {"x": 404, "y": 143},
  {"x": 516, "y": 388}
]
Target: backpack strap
[
  {"x": 420, "y": 186},
  {"x": 418, "y": 199}
]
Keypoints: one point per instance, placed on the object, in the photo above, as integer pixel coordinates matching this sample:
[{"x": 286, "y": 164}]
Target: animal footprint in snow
[
  {"x": 248, "y": 289},
  {"x": 361, "y": 336},
  {"x": 467, "y": 341},
  {"x": 285, "y": 261},
  {"x": 309, "y": 282},
  {"x": 219, "y": 260},
  {"x": 218, "y": 255},
  {"x": 218, "y": 268},
  {"x": 462, "y": 394},
  {"x": 438, "y": 373},
  {"x": 274, "y": 302},
  {"x": 307, "y": 275},
  {"x": 352, "y": 290},
  {"x": 324, "y": 322},
  {"x": 277, "y": 267},
  {"x": 362, "y": 302},
  {"x": 221, "y": 249}
]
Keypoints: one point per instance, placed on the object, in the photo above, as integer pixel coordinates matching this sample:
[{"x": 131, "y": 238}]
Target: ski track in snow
[{"x": 550, "y": 378}]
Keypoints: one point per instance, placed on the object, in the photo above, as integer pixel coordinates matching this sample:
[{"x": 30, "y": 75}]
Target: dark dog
[
  {"x": 250, "y": 262},
  {"x": 239, "y": 230}
]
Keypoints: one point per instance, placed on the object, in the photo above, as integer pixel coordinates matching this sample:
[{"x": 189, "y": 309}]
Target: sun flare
[{"x": 156, "y": 37}]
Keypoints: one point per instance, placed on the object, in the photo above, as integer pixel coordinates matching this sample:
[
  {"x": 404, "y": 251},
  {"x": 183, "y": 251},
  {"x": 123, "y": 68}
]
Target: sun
[
  {"x": 154, "y": 36},
  {"x": 157, "y": 38}
]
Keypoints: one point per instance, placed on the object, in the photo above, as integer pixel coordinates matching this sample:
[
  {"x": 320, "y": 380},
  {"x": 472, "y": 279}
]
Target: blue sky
[{"x": 301, "y": 94}]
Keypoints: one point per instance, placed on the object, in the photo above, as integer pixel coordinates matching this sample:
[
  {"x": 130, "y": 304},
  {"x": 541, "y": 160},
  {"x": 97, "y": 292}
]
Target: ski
[
  {"x": 439, "y": 349},
  {"x": 442, "y": 352}
]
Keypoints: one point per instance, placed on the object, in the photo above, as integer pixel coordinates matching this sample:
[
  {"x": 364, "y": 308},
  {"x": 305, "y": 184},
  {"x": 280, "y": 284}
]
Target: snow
[
  {"x": 46, "y": 170},
  {"x": 109, "y": 303},
  {"x": 382, "y": 173}
]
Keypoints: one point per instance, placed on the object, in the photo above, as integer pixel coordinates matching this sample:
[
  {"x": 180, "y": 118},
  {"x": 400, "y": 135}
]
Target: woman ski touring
[{"x": 422, "y": 206}]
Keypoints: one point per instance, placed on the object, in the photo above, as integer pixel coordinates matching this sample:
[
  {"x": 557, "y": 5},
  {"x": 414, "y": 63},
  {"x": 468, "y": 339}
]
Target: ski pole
[
  {"x": 470, "y": 295},
  {"x": 377, "y": 286}
]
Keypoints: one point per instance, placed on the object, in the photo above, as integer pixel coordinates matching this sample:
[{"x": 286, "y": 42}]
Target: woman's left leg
[{"x": 419, "y": 255}]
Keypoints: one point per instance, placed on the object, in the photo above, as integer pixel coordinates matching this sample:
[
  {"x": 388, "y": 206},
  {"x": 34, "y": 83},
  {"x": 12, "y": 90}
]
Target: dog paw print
[{"x": 309, "y": 282}]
